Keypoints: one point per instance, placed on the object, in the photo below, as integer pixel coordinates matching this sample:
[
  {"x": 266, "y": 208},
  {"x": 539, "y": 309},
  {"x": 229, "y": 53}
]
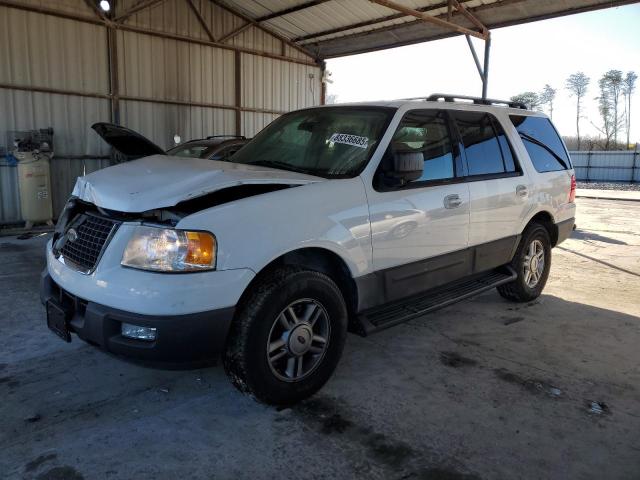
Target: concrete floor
[{"x": 485, "y": 389}]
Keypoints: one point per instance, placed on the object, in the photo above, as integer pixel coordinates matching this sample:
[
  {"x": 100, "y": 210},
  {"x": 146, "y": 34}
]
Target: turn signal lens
[
  {"x": 170, "y": 250},
  {"x": 200, "y": 248}
]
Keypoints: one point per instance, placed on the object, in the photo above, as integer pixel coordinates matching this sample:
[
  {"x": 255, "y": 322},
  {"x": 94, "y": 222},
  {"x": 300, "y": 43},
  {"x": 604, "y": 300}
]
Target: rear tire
[
  {"x": 532, "y": 262},
  {"x": 287, "y": 337}
]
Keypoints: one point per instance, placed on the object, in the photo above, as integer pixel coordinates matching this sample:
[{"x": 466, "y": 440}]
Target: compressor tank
[{"x": 34, "y": 178}]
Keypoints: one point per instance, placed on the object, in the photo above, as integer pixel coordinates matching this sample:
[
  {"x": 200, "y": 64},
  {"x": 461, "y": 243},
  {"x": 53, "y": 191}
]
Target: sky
[{"x": 523, "y": 58}]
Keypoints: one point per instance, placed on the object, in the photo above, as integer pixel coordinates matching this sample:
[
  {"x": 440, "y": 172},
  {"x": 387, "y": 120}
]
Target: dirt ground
[{"x": 485, "y": 389}]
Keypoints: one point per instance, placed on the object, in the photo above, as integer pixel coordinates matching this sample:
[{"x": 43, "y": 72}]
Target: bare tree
[
  {"x": 577, "y": 84},
  {"x": 530, "y": 99},
  {"x": 628, "y": 87},
  {"x": 608, "y": 112},
  {"x": 547, "y": 96},
  {"x": 613, "y": 82}
]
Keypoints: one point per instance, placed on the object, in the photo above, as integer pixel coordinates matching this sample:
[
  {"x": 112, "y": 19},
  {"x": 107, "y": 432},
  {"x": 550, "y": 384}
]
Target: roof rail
[{"x": 435, "y": 97}]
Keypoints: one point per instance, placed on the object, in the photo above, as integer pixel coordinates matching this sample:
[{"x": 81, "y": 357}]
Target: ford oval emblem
[{"x": 72, "y": 235}]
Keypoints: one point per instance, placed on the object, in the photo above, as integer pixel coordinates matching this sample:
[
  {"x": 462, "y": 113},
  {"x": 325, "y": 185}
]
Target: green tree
[
  {"x": 547, "y": 96},
  {"x": 530, "y": 99},
  {"x": 628, "y": 87},
  {"x": 577, "y": 84}
]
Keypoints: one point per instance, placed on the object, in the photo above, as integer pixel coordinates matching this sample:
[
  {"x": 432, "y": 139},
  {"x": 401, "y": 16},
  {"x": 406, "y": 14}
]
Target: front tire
[
  {"x": 287, "y": 337},
  {"x": 532, "y": 263}
]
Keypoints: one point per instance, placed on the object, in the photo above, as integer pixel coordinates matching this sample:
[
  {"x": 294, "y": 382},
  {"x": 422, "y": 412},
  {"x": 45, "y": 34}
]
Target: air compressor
[{"x": 33, "y": 151}]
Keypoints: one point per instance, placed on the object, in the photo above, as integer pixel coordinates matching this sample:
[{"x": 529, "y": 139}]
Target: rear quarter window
[{"x": 542, "y": 142}]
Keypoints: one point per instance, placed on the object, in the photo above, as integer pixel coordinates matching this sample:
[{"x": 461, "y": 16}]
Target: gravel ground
[{"x": 609, "y": 186}]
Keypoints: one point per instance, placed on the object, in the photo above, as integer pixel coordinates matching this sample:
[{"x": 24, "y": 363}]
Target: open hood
[
  {"x": 161, "y": 181},
  {"x": 126, "y": 141}
]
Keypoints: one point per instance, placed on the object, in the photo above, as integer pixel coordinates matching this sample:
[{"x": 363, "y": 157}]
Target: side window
[
  {"x": 542, "y": 142},
  {"x": 427, "y": 132},
  {"x": 505, "y": 148},
  {"x": 486, "y": 147}
]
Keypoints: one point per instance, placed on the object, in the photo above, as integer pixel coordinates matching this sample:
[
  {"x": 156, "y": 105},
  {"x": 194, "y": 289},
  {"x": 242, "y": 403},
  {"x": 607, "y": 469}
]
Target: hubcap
[
  {"x": 534, "y": 263},
  {"x": 298, "y": 340}
]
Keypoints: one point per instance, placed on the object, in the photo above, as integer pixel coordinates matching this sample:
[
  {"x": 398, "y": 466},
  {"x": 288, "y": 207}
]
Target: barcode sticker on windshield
[{"x": 353, "y": 140}]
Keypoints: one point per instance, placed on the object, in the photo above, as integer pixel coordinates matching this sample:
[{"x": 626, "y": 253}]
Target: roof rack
[
  {"x": 436, "y": 97},
  {"x": 225, "y": 136}
]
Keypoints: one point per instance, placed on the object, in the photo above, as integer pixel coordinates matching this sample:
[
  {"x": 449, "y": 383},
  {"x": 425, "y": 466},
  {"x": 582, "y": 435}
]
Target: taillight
[{"x": 572, "y": 192}]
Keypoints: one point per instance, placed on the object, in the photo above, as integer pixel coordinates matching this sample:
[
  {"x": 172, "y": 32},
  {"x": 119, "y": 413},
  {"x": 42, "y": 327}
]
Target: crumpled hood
[{"x": 162, "y": 181}]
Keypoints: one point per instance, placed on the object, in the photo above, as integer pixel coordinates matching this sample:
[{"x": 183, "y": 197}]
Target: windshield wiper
[
  {"x": 535, "y": 141},
  {"x": 282, "y": 166}
]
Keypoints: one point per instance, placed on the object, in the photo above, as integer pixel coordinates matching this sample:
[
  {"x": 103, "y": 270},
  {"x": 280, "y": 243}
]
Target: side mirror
[{"x": 407, "y": 166}]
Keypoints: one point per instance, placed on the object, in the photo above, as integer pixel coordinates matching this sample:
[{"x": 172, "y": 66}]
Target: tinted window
[
  {"x": 505, "y": 148},
  {"x": 426, "y": 132},
  {"x": 486, "y": 147},
  {"x": 542, "y": 142}
]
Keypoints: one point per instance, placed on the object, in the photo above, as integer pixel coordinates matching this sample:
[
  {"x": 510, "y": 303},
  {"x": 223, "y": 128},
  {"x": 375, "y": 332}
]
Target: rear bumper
[
  {"x": 182, "y": 340},
  {"x": 564, "y": 229}
]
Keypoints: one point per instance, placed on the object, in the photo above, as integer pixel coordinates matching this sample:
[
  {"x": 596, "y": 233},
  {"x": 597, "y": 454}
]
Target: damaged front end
[{"x": 84, "y": 229}]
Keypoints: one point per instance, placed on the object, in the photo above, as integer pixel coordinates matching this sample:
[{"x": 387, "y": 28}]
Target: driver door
[{"x": 420, "y": 229}]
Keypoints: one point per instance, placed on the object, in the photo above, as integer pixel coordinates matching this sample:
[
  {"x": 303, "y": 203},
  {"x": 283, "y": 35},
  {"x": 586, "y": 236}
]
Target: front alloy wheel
[
  {"x": 298, "y": 340},
  {"x": 287, "y": 336}
]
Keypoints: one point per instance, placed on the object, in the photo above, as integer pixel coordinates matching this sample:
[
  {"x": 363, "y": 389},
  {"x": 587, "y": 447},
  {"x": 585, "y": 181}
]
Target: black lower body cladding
[{"x": 564, "y": 229}]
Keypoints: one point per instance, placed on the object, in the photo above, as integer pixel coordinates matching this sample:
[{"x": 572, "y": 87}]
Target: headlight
[{"x": 169, "y": 250}]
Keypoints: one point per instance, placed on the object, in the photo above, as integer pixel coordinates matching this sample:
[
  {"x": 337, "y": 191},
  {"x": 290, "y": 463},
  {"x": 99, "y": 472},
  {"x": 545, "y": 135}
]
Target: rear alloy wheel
[
  {"x": 287, "y": 337},
  {"x": 532, "y": 263}
]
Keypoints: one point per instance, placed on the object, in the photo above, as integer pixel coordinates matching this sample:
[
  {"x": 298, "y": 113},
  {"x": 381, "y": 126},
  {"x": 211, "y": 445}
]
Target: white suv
[{"x": 352, "y": 217}]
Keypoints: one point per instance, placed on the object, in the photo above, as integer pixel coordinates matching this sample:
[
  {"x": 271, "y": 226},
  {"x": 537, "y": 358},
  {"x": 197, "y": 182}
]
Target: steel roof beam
[
  {"x": 201, "y": 20},
  {"x": 368, "y": 23},
  {"x": 235, "y": 32},
  {"x": 135, "y": 9},
  {"x": 472, "y": 18},
  {"x": 429, "y": 18},
  {"x": 256, "y": 24}
]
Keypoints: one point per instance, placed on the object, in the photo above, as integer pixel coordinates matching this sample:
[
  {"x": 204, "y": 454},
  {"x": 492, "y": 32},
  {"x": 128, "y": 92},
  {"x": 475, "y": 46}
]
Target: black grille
[{"x": 92, "y": 234}]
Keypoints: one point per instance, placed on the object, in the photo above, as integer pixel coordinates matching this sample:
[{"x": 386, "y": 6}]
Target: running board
[{"x": 397, "y": 312}]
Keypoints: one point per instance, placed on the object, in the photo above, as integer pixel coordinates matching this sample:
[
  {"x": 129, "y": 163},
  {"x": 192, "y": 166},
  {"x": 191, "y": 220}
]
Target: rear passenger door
[{"x": 499, "y": 192}]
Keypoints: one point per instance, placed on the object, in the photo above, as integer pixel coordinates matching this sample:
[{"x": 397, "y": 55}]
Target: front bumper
[
  {"x": 149, "y": 293},
  {"x": 188, "y": 339}
]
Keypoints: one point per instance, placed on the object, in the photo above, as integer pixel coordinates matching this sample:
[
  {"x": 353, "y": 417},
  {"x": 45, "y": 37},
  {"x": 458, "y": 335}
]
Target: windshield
[{"x": 332, "y": 142}]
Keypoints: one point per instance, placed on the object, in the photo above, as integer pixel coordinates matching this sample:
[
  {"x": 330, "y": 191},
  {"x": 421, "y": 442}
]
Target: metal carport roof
[{"x": 333, "y": 28}]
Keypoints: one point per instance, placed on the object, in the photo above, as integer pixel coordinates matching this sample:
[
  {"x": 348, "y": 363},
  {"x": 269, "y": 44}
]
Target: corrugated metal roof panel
[
  {"x": 154, "y": 67},
  {"x": 79, "y": 7},
  {"x": 253, "y": 122},
  {"x": 41, "y": 50},
  {"x": 277, "y": 85},
  {"x": 358, "y": 26}
]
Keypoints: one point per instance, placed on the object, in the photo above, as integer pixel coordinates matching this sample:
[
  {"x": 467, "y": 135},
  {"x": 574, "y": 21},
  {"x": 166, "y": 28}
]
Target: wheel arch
[
  {"x": 545, "y": 219},
  {"x": 318, "y": 259}
]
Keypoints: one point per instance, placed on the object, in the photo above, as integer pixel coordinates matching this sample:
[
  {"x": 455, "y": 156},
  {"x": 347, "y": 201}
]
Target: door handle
[
  {"x": 521, "y": 191},
  {"x": 452, "y": 201}
]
